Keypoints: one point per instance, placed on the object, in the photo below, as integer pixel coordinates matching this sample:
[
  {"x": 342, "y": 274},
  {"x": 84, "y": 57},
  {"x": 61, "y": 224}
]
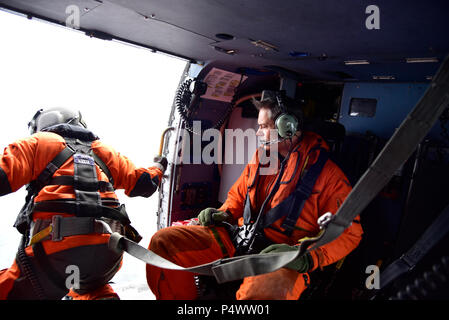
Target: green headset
[{"x": 286, "y": 123}]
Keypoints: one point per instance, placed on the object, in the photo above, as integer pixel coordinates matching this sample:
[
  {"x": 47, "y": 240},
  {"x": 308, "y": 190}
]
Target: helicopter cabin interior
[{"x": 355, "y": 69}]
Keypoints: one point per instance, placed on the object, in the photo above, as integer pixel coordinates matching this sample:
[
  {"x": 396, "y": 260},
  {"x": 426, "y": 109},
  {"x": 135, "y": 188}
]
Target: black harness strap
[
  {"x": 103, "y": 167},
  {"x": 103, "y": 186},
  {"x": 45, "y": 176},
  {"x": 250, "y": 236},
  {"x": 292, "y": 206},
  {"x": 84, "y": 209},
  {"x": 84, "y": 175}
]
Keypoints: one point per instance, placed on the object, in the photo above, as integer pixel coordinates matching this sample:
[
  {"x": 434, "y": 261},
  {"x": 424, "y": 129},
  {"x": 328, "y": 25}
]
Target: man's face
[
  {"x": 266, "y": 131},
  {"x": 269, "y": 137}
]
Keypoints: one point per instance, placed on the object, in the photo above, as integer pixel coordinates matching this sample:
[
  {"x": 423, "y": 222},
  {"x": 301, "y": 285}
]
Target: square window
[{"x": 362, "y": 107}]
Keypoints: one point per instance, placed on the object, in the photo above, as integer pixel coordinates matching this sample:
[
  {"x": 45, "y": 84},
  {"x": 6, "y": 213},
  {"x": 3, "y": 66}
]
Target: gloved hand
[
  {"x": 161, "y": 162},
  {"x": 302, "y": 264},
  {"x": 210, "y": 216}
]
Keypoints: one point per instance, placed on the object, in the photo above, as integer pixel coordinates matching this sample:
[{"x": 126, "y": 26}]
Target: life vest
[{"x": 87, "y": 202}]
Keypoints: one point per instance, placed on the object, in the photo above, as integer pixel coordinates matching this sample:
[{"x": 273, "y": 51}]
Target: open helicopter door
[
  {"x": 194, "y": 147},
  {"x": 171, "y": 146}
]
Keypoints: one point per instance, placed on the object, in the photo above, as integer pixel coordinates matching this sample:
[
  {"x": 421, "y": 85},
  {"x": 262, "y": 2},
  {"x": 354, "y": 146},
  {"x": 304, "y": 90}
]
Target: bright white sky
[{"x": 124, "y": 94}]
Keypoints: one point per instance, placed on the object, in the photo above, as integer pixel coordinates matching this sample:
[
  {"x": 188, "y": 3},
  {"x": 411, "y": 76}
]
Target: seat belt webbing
[{"x": 248, "y": 265}]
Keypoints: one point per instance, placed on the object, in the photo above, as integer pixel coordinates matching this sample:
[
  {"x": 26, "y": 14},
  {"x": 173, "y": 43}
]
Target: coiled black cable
[
  {"x": 428, "y": 283},
  {"x": 183, "y": 99},
  {"x": 28, "y": 270}
]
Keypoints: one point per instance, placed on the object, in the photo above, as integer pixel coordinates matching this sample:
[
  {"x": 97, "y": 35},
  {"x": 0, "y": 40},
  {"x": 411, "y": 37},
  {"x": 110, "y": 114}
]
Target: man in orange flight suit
[
  {"x": 298, "y": 153},
  {"x": 71, "y": 207}
]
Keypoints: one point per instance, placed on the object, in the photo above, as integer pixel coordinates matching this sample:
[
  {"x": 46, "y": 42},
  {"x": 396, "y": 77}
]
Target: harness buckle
[
  {"x": 328, "y": 218},
  {"x": 405, "y": 259},
  {"x": 56, "y": 227},
  {"x": 324, "y": 220}
]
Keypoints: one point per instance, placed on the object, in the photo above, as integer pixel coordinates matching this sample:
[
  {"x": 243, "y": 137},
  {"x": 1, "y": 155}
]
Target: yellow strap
[
  {"x": 41, "y": 235},
  {"x": 303, "y": 170},
  {"x": 340, "y": 263},
  {"x": 311, "y": 238}
]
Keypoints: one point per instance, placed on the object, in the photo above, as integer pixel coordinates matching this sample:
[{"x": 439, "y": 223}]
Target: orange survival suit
[
  {"x": 193, "y": 245},
  {"x": 66, "y": 219}
]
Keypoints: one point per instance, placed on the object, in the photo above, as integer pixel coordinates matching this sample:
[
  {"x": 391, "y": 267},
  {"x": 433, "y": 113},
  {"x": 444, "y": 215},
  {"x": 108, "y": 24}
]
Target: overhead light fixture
[
  {"x": 384, "y": 77},
  {"x": 230, "y": 51},
  {"x": 265, "y": 45},
  {"x": 356, "y": 62},
  {"x": 421, "y": 60},
  {"x": 227, "y": 51}
]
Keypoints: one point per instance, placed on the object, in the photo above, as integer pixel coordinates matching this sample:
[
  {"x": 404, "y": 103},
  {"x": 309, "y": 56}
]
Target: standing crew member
[
  {"x": 70, "y": 208},
  {"x": 274, "y": 212}
]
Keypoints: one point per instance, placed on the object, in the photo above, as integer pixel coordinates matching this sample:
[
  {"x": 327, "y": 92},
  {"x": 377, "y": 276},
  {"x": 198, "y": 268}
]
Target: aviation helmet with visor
[{"x": 53, "y": 116}]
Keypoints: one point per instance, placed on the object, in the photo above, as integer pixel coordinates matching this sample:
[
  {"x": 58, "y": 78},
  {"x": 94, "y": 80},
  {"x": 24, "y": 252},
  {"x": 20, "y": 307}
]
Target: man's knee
[
  {"x": 283, "y": 284},
  {"x": 159, "y": 240}
]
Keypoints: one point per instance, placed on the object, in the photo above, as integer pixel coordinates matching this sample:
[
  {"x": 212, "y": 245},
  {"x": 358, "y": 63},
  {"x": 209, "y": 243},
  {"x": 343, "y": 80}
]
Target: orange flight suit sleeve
[
  {"x": 134, "y": 180},
  {"x": 21, "y": 163},
  {"x": 336, "y": 189}
]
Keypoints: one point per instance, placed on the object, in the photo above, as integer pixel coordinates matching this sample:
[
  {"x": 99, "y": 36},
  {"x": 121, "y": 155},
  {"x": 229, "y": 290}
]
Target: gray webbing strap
[
  {"x": 224, "y": 270},
  {"x": 66, "y": 226},
  {"x": 397, "y": 150},
  {"x": 253, "y": 264},
  {"x": 117, "y": 242}
]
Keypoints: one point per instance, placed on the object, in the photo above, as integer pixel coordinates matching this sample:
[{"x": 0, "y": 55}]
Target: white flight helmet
[{"x": 50, "y": 117}]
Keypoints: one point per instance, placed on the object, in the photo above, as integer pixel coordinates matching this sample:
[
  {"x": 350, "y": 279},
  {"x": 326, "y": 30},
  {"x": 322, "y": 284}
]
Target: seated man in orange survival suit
[
  {"x": 70, "y": 210},
  {"x": 299, "y": 153}
]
